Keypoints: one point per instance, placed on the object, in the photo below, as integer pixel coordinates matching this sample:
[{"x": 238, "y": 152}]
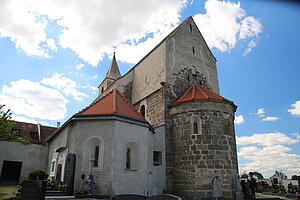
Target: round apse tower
[{"x": 203, "y": 144}]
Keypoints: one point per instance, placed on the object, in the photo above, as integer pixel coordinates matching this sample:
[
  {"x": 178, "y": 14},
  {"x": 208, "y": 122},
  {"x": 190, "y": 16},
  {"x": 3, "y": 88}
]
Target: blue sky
[{"x": 54, "y": 54}]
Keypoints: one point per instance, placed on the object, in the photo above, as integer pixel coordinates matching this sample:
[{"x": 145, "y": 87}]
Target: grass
[{"x": 7, "y": 191}]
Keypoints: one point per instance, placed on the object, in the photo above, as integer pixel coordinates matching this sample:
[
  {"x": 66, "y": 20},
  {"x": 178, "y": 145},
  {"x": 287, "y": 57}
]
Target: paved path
[{"x": 267, "y": 196}]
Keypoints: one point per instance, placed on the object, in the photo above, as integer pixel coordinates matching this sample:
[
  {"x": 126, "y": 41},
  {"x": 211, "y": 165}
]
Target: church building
[{"x": 160, "y": 128}]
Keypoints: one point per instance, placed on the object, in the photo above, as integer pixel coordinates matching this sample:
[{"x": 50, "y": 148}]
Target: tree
[
  {"x": 244, "y": 175},
  {"x": 6, "y": 127},
  {"x": 5, "y": 123},
  {"x": 295, "y": 177},
  {"x": 258, "y": 175}
]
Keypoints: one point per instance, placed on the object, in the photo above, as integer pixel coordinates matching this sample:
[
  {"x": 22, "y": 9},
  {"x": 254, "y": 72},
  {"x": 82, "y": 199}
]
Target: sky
[{"x": 54, "y": 54}]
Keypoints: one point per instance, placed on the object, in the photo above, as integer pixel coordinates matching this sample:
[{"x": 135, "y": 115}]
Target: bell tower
[{"x": 112, "y": 74}]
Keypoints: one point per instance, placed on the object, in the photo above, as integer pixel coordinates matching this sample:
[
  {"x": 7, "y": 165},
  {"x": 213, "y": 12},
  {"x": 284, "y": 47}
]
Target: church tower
[{"x": 112, "y": 74}]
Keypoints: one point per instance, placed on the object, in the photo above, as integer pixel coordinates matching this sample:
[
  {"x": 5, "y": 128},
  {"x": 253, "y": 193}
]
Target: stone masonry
[{"x": 197, "y": 157}]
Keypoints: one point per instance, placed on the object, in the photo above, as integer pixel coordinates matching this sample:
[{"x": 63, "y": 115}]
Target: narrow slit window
[
  {"x": 128, "y": 159},
  {"x": 193, "y": 50},
  {"x": 191, "y": 27},
  {"x": 142, "y": 110},
  {"x": 96, "y": 156},
  {"x": 195, "y": 128}
]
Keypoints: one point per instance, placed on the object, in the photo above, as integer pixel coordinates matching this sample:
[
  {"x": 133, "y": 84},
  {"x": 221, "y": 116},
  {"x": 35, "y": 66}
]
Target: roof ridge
[
  {"x": 129, "y": 103},
  {"x": 94, "y": 102},
  {"x": 203, "y": 93},
  {"x": 213, "y": 93},
  {"x": 115, "y": 109}
]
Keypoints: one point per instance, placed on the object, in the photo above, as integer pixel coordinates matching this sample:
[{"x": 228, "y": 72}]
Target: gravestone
[
  {"x": 33, "y": 190},
  {"x": 217, "y": 187},
  {"x": 70, "y": 173}
]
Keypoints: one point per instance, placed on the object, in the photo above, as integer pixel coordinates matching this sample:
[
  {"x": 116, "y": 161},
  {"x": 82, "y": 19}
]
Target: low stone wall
[{"x": 32, "y": 156}]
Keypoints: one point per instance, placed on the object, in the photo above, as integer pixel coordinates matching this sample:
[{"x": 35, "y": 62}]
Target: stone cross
[{"x": 90, "y": 178}]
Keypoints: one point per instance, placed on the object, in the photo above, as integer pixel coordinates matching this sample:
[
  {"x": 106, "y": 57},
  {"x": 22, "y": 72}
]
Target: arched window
[
  {"x": 196, "y": 125},
  {"x": 131, "y": 156},
  {"x": 96, "y": 156},
  {"x": 93, "y": 147},
  {"x": 142, "y": 110}
]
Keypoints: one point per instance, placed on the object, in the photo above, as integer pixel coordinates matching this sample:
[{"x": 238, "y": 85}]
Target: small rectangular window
[{"x": 157, "y": 158}]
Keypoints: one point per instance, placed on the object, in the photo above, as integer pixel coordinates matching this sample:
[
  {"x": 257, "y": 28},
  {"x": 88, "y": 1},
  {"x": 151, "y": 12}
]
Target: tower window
[
  {"x": 102, "y": 90},
  {"x": 142, "y": 110},
  {"x": 191, "y": 27},
  {"x": 193, "y": 50}
]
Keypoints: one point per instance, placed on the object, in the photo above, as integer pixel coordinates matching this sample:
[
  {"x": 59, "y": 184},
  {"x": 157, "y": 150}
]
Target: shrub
[{"x": 38, "y": 174}]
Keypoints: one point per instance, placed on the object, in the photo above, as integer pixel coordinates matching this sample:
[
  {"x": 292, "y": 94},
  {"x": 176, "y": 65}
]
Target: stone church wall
[
  {"x": 189, "y": 60},
  {"x": 154, "y": 107},
  {"x": 32, "y": 156},
  {"x": 149, "y": 73},
  {"x": 210, "y": 152}
]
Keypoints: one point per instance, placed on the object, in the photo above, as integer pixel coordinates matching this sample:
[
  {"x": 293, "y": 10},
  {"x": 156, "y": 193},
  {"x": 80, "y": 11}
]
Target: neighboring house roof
[
  {"x": 112, "y": 102},
  {"x": 198, "y": 92},
  {"x": 31, "y": 131}
]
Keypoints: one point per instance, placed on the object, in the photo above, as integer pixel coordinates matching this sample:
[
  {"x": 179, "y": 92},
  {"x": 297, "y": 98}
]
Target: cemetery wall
[{"x": 32, "y": 156}]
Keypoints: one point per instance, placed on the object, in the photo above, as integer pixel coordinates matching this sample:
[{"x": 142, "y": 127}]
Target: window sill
[{"x": 131, "y": 170}]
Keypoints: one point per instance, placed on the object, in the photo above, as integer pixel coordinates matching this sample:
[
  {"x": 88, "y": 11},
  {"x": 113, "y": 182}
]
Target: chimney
[
  {"x": 58, "y": 124},
  {"x": 39, "y": 132}
]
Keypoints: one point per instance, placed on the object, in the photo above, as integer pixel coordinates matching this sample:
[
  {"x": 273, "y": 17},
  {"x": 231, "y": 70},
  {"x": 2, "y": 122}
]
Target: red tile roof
[
  {"x": 113, "y": 102},
  {"x": 198, "y": 92}
]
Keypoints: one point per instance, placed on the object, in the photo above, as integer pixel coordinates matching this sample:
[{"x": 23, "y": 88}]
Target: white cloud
[
  {"x": 266, "y": 139},
  {"x": 65, "y": 85},
  {"x": 90, "y": 28},
  {"x": 270, "y": 118},
  {"x": 25, "y": 28},
  {"x": 95, "y": 76},
  {"x": 239, "y": 119},
  {"x": 29, "y": 98},
  {"x": 225, "y": 23},
  {"x": 268, "y": 159},
  {"x": 296, "y": 110},
  {"x": 28, "y": 120},
  {"x": 79, "y": 66},
  {"x": 260, "y": 112},
  {"x": 251, "y": 45}
]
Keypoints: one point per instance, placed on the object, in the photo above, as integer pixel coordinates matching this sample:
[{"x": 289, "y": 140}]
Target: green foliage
[
  {"x": 38, "y": 174},
  {"x": 258, "y": 175},
  {"x": 295, "y": 177},
  {"x": 244, "y": 175},
  {"x": 275, "y": 187},
  {"x": 5, "y": 123},
  {"x": 6, "y": 127}
]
